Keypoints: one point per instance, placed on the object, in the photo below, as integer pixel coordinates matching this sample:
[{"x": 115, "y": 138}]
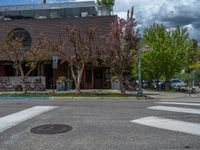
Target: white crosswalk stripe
[
  {"x": 172, "y": 124},
  {"x": 176, "y": 109},
  {"x": 11, "y": 120},
  {"x": 182, "y": 100},
  {"x": 176, "y": 103}
]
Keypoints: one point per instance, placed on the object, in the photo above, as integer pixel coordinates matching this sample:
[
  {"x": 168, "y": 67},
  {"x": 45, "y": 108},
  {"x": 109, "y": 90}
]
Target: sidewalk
[
  {"x": 164, "y": 95},
  {"x": 153, "y": 94},
  {"x": 171, "y": 95}
]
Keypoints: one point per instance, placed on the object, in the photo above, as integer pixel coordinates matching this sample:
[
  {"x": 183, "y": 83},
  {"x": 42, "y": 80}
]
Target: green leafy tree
[
  {"x": 106, "y": 2},
  {"x": 150, "y": 66},
  {"x": 195, "y": 56},
  {"x": 170, "y": 49},
  {"x": 194, "y": 52}
]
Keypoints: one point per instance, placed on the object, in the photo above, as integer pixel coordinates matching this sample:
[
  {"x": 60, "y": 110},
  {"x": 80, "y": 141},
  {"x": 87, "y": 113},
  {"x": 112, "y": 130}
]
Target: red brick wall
[{"x": 53, "y": 27}]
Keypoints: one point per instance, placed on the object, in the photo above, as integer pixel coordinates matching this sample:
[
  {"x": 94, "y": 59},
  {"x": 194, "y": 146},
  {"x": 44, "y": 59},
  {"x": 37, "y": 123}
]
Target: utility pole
[
  {"x": 54, "y": 72},
  {"x": 140, "y": 92},
  {"x": 193, "y": 79},
  {"x": 54, "y": 66}
]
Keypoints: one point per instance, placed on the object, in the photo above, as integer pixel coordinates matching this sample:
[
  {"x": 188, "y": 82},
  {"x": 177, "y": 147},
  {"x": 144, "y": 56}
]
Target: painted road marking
[
  {"x": 179, "y": 103},
  {"x": 11, "y": 120},
  {"x": 181, "y": 100},
  {"x": 176, "y": 109},
  {"x": 170, "y": 124}
]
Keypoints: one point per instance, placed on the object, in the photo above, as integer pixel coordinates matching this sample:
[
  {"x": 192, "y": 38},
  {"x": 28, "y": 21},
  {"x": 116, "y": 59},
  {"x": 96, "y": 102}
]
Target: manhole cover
[
  {"x": 51, "y": 129},
  {"x": 188, "y": 147}
]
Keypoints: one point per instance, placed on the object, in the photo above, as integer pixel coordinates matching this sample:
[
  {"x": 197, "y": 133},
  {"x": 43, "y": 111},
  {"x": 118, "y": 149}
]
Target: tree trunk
[
  {"x": 77, "y": 86},
  {"x": 167, "y": 84},
  {"x": 122, "y": 87},
  {"x": 149, "y": 83},
  {"x": 24, "y": 88},
  {"x": 77, "y": 77},
  {"x": 23, "y": 84}
]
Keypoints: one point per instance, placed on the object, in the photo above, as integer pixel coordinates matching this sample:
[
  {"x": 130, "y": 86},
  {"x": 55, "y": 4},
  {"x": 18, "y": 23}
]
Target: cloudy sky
[{"x": 171, "y": 13}]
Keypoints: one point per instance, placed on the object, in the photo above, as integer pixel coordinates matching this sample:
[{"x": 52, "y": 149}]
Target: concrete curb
[
  {"x": 71, "y": 98},
  {"x": 99, "y": 98},
  {"x": 174, "y": 97},
  {"x": 23, "y": 97},
  {"x": 146, "y": 97}
]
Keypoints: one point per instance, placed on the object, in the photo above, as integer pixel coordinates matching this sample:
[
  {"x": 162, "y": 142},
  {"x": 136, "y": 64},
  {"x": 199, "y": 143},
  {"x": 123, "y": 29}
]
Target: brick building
[{"x": 50, "y": 19}]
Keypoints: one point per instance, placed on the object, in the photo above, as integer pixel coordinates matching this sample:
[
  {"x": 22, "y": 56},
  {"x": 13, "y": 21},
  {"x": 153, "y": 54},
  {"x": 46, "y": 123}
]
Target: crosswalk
[
  {"x": 172, "y": 124},
  {"x": 166, "y": 123},
  {"x": 12, "y": 120}
]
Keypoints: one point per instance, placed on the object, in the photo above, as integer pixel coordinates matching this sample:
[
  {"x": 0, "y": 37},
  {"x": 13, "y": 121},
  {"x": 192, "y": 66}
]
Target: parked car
[
  {"x": 173, "y": 83},
  {"x": 145, "y": 84},
  {"x": 159, "y": 84},
  {"x": 176, "y": 83}
]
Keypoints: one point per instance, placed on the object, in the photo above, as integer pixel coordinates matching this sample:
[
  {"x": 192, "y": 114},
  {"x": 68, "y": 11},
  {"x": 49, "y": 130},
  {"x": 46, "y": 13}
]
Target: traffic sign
[{"x": 55, "y": 62}]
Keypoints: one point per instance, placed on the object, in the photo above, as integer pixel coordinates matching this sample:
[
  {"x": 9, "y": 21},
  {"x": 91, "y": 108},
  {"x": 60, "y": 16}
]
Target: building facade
[{"x": 50, "y": 19}]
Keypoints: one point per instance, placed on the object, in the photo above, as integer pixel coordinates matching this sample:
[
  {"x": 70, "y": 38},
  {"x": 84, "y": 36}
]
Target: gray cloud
[{"x": 171, "y": 13}]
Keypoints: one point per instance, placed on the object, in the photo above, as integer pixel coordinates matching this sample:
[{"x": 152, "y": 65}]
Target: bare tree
[
  {"x": 77, "y": 48},
  {"x": 120, "y": 47},
  {"x": 24, "y": 59}
]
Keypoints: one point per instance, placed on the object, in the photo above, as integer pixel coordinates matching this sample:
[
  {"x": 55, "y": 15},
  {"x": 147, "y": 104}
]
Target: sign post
[
  {"x": 140, "y": 92},
  {"x": 54, "y": 66}
]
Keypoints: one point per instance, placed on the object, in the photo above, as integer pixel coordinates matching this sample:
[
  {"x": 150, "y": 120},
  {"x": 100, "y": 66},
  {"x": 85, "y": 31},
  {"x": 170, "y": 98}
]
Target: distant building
[
  {"x": 49, "y": 19},
  {"x": 45, "y": 10}
]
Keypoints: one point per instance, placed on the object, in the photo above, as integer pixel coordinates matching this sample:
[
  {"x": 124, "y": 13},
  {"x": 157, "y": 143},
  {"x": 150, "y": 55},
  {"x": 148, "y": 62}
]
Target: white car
[{"x": 176, "y": 83}]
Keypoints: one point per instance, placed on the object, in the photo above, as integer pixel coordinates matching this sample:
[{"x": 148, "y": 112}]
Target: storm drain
[{"x": 51, "y": 129}]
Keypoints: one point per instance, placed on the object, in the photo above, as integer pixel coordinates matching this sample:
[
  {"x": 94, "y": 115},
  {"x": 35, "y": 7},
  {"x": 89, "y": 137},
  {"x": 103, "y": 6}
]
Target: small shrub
[
  {"x": 115, "y": 78},
  {"x": 62, "y": 78}
]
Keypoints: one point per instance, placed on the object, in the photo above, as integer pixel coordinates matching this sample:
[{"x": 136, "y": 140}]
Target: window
[
  {"x": 41, "y": 14},
  {"x": 56, "y": 13},
  {"x": 27, "y": 13},
  {"x": 22, "y": 34}
]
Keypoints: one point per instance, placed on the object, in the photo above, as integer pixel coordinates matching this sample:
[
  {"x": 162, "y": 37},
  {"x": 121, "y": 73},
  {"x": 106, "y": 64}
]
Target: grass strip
[{"x": 82, "y": 94}]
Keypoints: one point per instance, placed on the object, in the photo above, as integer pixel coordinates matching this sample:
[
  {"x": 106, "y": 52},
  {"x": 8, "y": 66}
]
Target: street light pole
[
  {"x": 193, "y": 79},
  {"x": 140, "y": 92},
  {"x": 54, "y": 72}
]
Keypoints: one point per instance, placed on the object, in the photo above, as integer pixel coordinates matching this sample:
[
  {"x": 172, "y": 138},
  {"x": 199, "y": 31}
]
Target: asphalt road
[{"x": 101, "y": 125}]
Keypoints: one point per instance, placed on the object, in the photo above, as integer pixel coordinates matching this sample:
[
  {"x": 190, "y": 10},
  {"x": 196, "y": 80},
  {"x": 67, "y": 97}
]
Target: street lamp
[
  {"x": 193, "y": 78},
  {"x": 140, "y": 92}
]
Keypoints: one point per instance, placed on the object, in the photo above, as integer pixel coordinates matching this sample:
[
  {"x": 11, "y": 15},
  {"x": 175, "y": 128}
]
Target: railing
[{"x": 14, "y": 83}]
